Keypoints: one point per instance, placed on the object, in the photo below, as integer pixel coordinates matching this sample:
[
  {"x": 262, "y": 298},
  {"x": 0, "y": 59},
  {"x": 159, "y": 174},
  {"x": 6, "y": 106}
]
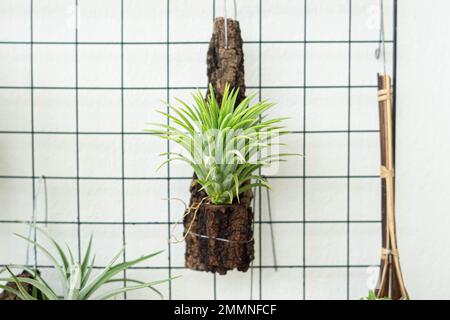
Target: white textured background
[{"x": 102, "y": 203}]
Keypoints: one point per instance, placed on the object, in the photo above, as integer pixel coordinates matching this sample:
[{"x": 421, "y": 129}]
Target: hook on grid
[
  {"x": 381, "y": 50},
  {"x": 226, "y": 19},
  {"x": 31, "y": 228}
]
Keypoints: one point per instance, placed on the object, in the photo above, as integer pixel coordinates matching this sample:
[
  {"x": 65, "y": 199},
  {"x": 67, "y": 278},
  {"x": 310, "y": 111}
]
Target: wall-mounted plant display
[
  {"x": 225, "y": 144},
  {"x": 75, "y": 278}
]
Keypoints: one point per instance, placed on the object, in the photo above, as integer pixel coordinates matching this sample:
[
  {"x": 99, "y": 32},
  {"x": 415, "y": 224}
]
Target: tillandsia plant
[
  {"x": 225, "y": 144},
  {"x": 75, "y": 278},
  {"x": 373, "y": 296}
]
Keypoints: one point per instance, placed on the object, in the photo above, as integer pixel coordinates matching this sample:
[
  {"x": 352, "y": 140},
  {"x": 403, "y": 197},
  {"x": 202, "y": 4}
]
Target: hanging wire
[
  {"x": 42, "y": 182},
  {"x": 225, "y": 14},
  {"x": 272, "y": 235},
  {"x": 272, "y": 232},
  {"x": 382, "y": 43}
]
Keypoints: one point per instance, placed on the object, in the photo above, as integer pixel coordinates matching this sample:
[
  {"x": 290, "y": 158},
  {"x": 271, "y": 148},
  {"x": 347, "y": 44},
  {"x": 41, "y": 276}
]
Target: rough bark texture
[
  {"x": 220, "y": 239},
  {"x": 225, "y": 65},
  {"x": 5, "y": 295}
]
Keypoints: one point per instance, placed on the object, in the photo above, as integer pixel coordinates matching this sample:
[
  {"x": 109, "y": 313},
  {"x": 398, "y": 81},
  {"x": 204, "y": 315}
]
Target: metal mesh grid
[{"x": 170, "y": 90}]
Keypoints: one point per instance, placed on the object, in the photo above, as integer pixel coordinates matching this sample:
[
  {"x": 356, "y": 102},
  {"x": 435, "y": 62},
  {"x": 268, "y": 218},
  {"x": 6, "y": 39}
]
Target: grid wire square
[
  {"x": 292, "y": 167},
  {"x": 326, "y": 284},
  {"x": 185, "y": 26},
  {"x": 16, "y": 154},
  {"x": 100, "y": 155},
  {"x": 55, "y": 155},
  {"x": 365, "y": 242},
  {"x": 12, "y": 248},
  {"x": 147, "y": 239},
  {"x": 288, "y": 102},
  {"x": 99, "y": 110},
  {"x": 54, "y": 65},
  {"x": 98, "y": 20},
  {"x": 54, "y": 20},
  {"x": 326, "y": 244},
  {"x": 15, "y": 63},
  {"x": 282, "y": 284},
  {"x": 365, "y": 154},
  {"x": 144, "y": 200},
  {"x": 288, "y": 244},
  {"x": 282, "y": 22},
  {"x": 15, "y": 20},
  {"x": 99, "y": 65},
  {"x": 364, "y": 71},
  {"x": 327, "y": 20},
  {"x": 149, "y": 276},
  {"x": 107, "y": 241},
  {"x": 326, "y": 154},
  {"x": 142, "y": 157},
  {"x": 327, "y": 64},
  {"x": 145, "y": 65},
  {"x": 249, "y": 20},
  {"x": 282, "y": 64},
  {"x": 101, "y": 200},
  {"x": 285, "y": 199},
  {"x": 187, "y": 65},
  {"x": 226, "y": 286},
  {"x": 144, "y": 20},
  {"x": 63, "y": 234},
  {"x": 140, "y": 109},
  {"x": 15, "y": 197},
  {"x": 366, "y": 20},
  {"x": 365, "y": 199},
  {"x": 15, "y": 110},
  {"x": 182, "y": 288},
  {"x": 327, "y": 109},
  {"x": 326, "y": 199},
  {"x": 364, "y": 112},
  {"x": 54, "y": 110},
  {"x": 251, "y": 66},
  {"x": 61, "y": 200}
]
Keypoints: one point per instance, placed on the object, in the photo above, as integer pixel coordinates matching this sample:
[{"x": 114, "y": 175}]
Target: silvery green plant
[
  {"x": 225, "y": 145},
  {"x": 75, "y": 278}
]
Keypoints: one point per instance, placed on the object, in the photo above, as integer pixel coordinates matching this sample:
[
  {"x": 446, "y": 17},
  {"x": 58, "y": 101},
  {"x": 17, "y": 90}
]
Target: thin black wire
[
  {"x": 32, "y": 118},
  {"x": 169, "y": 248},
  {"x": 122, "y": 127},
  {"x": 348, "y": 147},
  {"x": 77, "y": 136},
  {"x": 259, "y": 170},
  {"x": 182, "y": 42},
  {"x": 305, "y": 7}
]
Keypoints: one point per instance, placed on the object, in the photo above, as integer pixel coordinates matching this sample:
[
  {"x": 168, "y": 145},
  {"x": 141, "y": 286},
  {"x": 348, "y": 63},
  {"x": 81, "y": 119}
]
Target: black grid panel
[{"x": 83, "y": 130}]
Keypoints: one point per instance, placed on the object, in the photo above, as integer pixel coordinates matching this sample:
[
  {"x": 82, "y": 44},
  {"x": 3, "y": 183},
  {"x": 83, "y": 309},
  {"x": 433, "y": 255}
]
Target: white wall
[
  {"x": 421, "y": 170},
  {"x": 423, "y": 174}
]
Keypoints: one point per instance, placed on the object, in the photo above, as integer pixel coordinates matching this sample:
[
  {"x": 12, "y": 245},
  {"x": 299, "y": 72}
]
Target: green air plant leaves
[
  {"x": 225, "y": 145},
  {"x": 75, "y": 278}
]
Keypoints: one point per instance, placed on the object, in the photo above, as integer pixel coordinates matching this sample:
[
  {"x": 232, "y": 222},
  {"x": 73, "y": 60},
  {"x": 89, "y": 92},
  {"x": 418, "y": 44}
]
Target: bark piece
[
  {"x": 224, "y": 66},
  {"x": 5, "y": 295},
  {"x": 220, "y": 238}
]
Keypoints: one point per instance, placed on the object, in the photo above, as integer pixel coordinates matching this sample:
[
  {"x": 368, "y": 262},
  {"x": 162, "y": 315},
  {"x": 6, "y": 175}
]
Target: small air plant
[
  {"x": 373, "y": 296},
  {"x": 75, "y": 278},
  {"x": 226, "y": 144},
  {"x": 223, "y": 144}
]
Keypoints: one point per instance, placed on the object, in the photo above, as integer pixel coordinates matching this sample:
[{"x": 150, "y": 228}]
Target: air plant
[
  {"x": 75, "y": 278},
  {"x": 373, "y": 296},
  {"x": 225, "y": 145}
]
